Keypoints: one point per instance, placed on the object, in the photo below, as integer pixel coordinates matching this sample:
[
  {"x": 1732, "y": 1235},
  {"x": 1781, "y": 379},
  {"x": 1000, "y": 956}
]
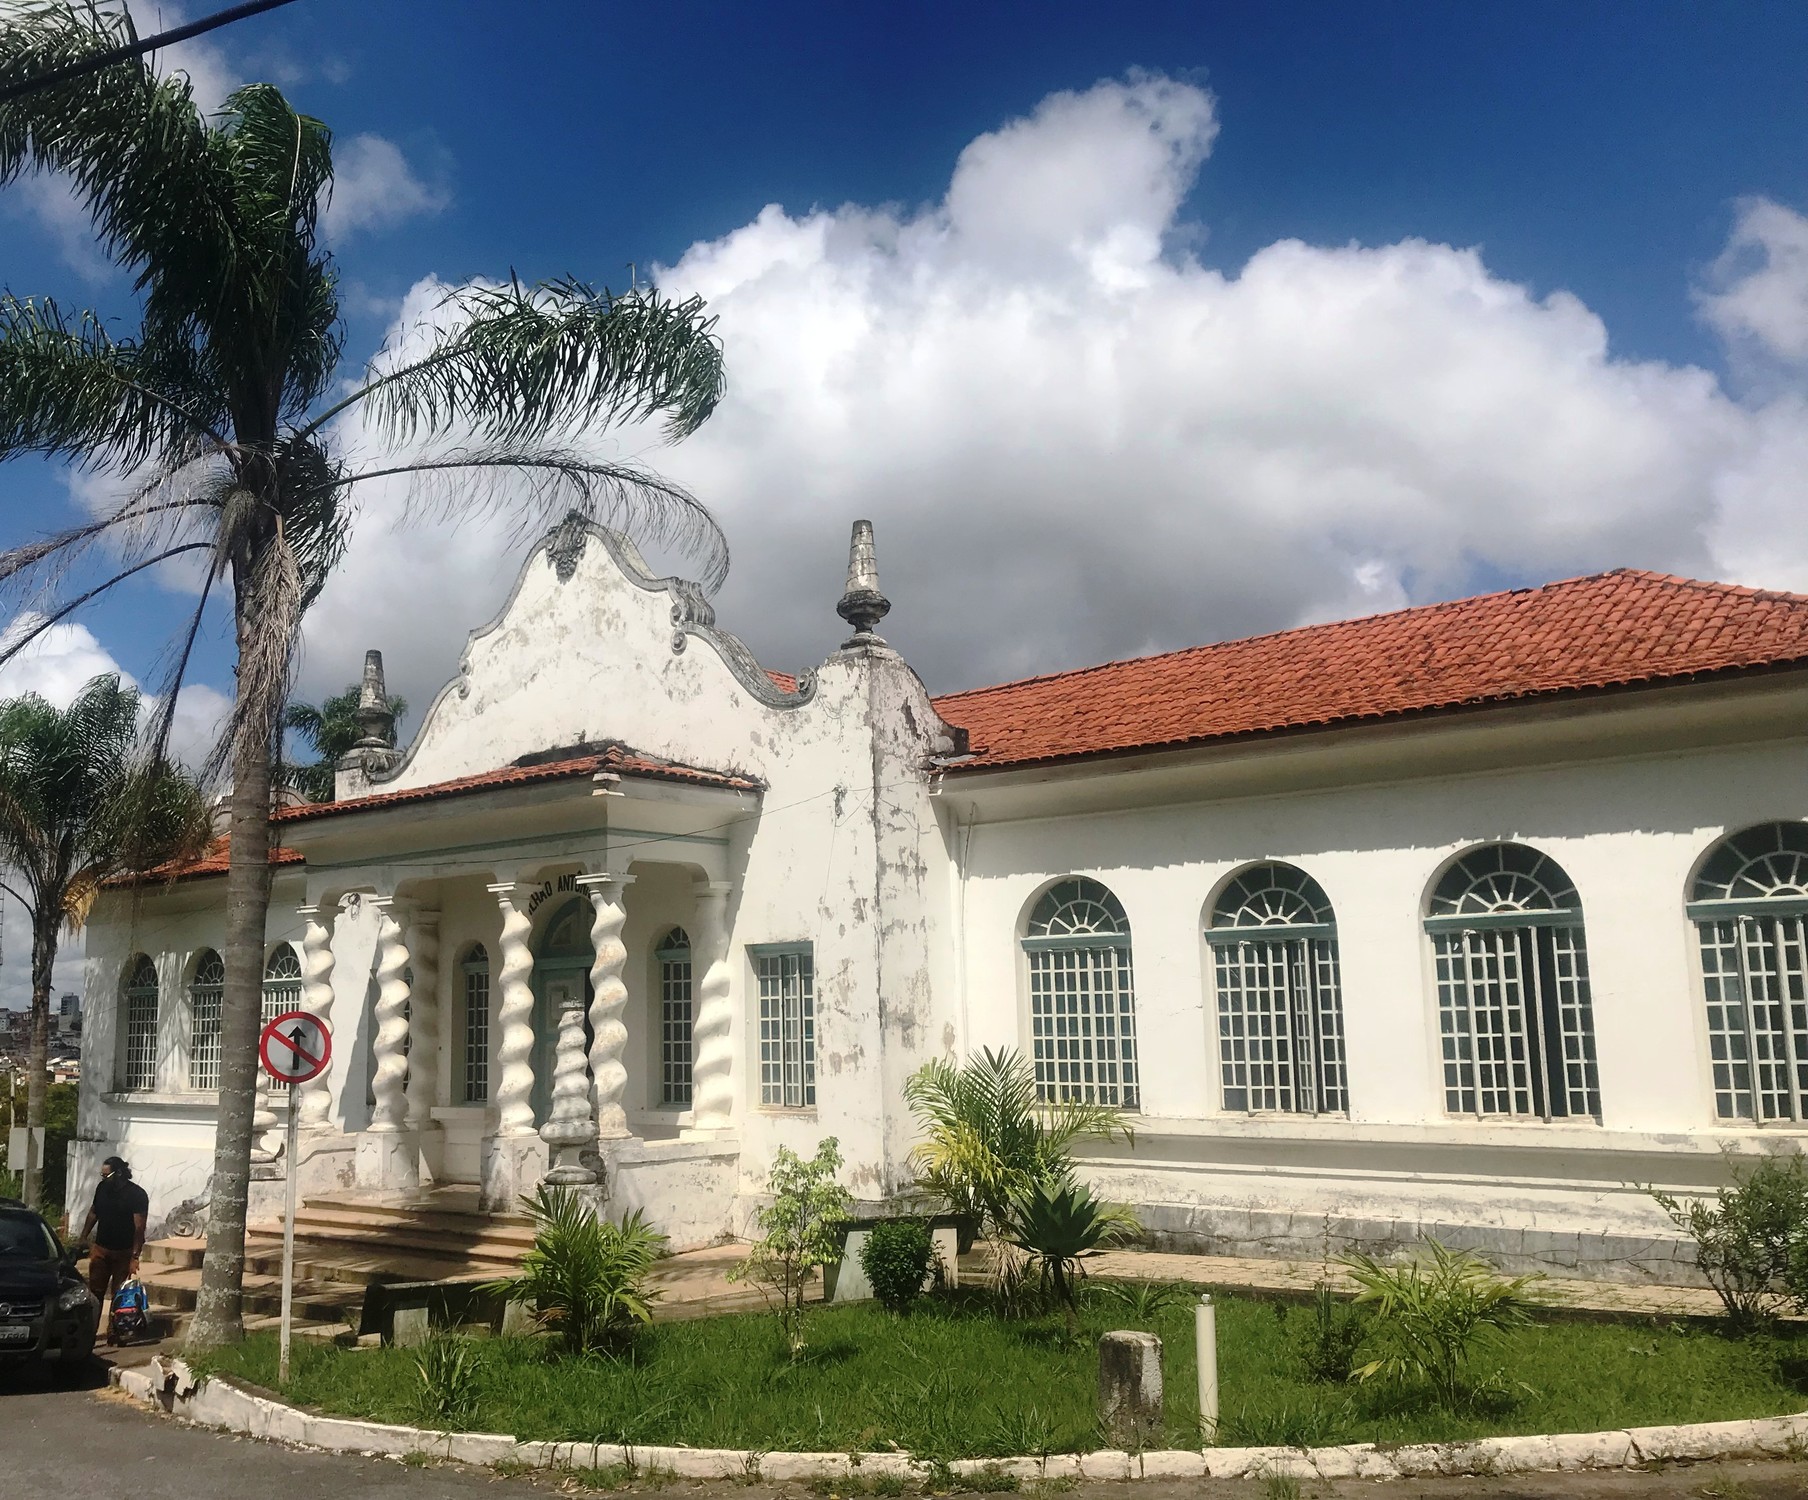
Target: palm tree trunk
[
  {"x": 218, "y": 1307},
  {"x": 37, "y": 1073}
]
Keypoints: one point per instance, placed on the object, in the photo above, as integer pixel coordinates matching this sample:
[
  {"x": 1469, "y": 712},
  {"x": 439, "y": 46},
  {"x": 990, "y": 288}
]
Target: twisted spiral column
[
  {"x": 570, "y": 1126},
  {"x": 608, "y": 1001},
  {"x": 422, "y": 941},
  {"x": 514, "y": 1018},
  {"x": 712, "y": 1019},
  {"x": 315, "y": 1097},
  {"x": 263, "y": 1119},
  {"x": 390, "y": 1112}
]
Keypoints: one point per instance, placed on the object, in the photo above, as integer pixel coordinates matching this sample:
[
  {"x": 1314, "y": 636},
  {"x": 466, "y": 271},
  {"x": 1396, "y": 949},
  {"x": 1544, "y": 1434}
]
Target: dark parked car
[{"x": 46, "y": 1310}]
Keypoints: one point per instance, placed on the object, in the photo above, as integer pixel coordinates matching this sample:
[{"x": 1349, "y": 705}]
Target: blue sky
[{"x": 1597, "y": 155}]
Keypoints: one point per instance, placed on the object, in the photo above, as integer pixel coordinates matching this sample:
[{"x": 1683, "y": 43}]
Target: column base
[
  {"x": 389, "y": 1161},
  {"x": 513, "y": 1166}
]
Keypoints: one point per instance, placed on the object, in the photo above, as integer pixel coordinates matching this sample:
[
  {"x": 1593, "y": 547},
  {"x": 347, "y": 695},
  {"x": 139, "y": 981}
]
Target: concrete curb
[{"x": 168, "y": 1386}]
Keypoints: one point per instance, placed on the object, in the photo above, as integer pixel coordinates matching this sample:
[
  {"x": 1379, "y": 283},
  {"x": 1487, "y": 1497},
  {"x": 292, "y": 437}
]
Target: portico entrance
[{"x": 562, "y": 963}]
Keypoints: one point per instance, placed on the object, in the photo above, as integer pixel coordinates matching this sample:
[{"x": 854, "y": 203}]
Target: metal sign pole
[{"x": 288, "y": 1240}]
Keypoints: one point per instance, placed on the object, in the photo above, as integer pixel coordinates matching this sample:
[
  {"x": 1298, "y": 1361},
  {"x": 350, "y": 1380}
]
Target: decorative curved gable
[{"x": 632, "y": 674}]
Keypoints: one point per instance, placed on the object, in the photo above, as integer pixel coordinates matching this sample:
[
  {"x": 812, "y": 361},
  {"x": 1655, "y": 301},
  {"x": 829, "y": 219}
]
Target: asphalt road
[{"x": 92, "y": 1442}]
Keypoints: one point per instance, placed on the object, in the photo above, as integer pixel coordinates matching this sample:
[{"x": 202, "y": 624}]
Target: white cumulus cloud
[
  {"x": 1078, "y": 441},
  {"x": 1757, "y": 292},
  {"x": 374, "y": 187}
]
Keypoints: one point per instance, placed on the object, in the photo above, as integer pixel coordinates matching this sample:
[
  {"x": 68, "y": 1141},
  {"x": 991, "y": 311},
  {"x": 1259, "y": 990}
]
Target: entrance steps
[{"x": 345, "y": 1244}]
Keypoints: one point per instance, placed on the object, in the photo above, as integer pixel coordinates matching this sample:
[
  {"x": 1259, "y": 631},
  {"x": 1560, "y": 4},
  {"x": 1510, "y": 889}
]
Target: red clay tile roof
[
  {"x": 613, "y": 758},
  {"x": 1609, "y": 630},
  {"x": 211, "y": 862},
  {"x": 783, "y": 679}
]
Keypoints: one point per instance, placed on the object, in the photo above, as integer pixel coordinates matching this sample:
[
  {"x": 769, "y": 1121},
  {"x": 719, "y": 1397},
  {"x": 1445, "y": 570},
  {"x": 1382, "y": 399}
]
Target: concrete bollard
[
  {"x": 413, "y": 1326},
  {"x": 1130, "y": 1387}
]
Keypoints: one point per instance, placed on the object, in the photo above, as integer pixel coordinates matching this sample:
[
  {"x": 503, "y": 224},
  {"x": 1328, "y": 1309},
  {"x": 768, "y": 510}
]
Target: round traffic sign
[{"x": 295, "y": 1047}]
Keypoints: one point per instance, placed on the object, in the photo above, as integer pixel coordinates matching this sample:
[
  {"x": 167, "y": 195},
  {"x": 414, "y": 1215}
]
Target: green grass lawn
[{"x": 951, "y": 1380}]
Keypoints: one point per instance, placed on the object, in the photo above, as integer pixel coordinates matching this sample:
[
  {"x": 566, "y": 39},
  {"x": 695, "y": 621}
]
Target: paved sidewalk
[{"x": 1262, "y": 1275}]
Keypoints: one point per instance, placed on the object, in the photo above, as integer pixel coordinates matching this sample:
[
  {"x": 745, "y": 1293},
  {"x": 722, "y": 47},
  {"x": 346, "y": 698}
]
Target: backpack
[{"x": 131, "y": 1311}]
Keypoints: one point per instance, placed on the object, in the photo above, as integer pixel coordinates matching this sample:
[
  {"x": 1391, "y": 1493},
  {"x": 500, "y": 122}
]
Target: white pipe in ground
[{"x": 1205, "y": 1335}]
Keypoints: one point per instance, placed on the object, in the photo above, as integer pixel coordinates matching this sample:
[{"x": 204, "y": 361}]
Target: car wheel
[{"x": 77, "y": 1361}]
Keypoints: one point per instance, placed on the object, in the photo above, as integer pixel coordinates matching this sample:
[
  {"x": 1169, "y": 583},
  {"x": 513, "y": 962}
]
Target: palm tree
[
  {"x": 217, "y": 413},
  {"x": 330, "y": 730},
  {"x": 78, "y": 805}
]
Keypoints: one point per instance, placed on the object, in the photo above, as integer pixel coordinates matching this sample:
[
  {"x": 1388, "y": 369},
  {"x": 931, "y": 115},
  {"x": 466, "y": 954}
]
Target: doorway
[{"x": 561, "y": 970}]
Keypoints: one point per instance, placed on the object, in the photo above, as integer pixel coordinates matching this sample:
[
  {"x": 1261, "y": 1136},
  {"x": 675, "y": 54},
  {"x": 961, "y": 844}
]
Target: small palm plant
[
  {"x": 1434, "y": 1313},
  {"x": 1060, "y": 1226},
  {"x": 585, "y": 1279},
  {"x": 987, "y": 1136}
]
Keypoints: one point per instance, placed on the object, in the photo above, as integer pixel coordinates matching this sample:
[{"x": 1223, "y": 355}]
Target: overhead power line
[{"x": 137, "y": 49}]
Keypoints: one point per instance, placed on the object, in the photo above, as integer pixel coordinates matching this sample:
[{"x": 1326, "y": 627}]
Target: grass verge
[{"x": 951, "y": 1380}]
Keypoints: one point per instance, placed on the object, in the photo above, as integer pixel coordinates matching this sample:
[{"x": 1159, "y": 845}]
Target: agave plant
[
  {"x": 585, "y": 1278},
  {"x": 1059, "y": 1226}
]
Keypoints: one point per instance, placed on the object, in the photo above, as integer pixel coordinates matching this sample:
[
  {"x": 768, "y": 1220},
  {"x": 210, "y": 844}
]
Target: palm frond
[
  {"x": 540, "y": 485},
  {"x": 68, "y": 388},
  {"x": 520, "y": 361}
]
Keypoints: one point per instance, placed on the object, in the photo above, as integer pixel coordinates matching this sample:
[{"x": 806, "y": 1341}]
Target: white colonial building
[{"x": 1467, "y": 920}]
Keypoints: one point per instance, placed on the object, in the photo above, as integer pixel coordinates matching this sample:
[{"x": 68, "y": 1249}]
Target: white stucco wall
[{"x": 1629, "y": 831}]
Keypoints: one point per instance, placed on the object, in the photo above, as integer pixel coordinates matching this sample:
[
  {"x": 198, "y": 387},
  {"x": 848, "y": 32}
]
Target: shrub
[
  {"x": 1332, "y": 1337},
  {"x": 802, "y": 1232},
  {"x": 1060, "y": 1226},
  {"x": 987, "y": 1137},
  {"x": 1434, "y": 1313},
  {"x": 447, "y": 1375},
  {"x": 585, "y": 1278},
  {"x": 896, "y": 1258},
  {"x": 1752, "y": 1245},
  {"x": 1145, "y": 1301}
]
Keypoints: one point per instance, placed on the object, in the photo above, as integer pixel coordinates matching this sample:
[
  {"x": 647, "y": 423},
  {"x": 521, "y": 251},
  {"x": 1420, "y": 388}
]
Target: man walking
[{"x": 115, "y": 1232}]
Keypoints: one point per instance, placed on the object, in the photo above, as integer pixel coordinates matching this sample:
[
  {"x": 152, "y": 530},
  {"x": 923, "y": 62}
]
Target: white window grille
[
  {"x": 282, "y": 991},
  {"x": 1280, "y": 1012},
  {"x": 1750, "y": 907},
  {"x": 674, "y": 956},
  {"x": 1514, "y": 1014},
  {"x": 477, "y": 1025},
  {"x": 1082, "y": 997},
  {"x": 141, "y": 1024},
  {"x": 205, "y": 992},
  {"x": 787, "y": 981}
]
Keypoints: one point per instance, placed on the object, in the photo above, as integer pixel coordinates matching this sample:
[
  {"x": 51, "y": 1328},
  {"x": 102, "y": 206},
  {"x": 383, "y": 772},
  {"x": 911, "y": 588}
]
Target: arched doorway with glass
[{"x": 562, "y": 963}]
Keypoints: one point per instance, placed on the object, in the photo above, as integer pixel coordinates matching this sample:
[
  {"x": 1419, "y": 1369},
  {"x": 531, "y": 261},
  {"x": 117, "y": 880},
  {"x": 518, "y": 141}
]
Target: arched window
[
  {"x": 1514, "y": 1015},
  {"x": 477, "y": 1025},
  {"x": 1280, "y": 1015},
  {"x": 282, "y": 988},
  {"x": 140, "y": 995},
  {"x": 1082, "y": 997},
  {"x": 204, "y": 994},
  {"x": 1750, "y": 907},
  {"x": 674, "y": 957}
]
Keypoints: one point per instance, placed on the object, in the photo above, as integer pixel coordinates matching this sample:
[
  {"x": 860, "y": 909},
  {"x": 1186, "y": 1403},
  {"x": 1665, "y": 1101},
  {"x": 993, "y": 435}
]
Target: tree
[
  {"x": 216, "y": 413},
  {"x": 803, "y": 1232},
  {"x": 79, "y": 806},
  {"x": 330, "y": 731}
]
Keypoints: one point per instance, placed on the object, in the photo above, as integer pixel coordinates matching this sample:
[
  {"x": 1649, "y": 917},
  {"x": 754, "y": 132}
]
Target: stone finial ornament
[
  {"x": 375, "y": 718},
  {"x": 862, "y": 605}
]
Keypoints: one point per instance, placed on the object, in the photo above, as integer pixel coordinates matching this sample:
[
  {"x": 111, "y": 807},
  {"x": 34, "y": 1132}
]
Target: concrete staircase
[{"x": 342, "y": 1246}]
